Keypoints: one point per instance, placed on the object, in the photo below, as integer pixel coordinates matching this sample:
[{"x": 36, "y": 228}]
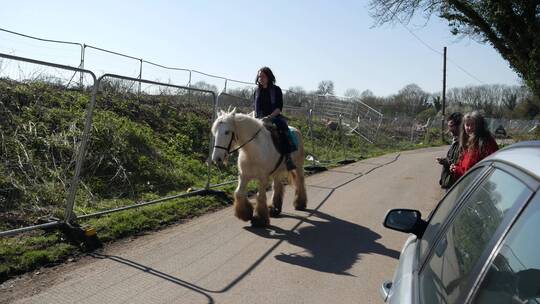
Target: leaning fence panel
[
  {"x": 43, "y": 119},
  {"x": 145, "y": 147},
  {"x": 342, "y": 127}
]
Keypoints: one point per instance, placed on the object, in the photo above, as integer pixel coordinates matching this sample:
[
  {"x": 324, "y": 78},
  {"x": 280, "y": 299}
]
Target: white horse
[{"x": 260, "y": 160}]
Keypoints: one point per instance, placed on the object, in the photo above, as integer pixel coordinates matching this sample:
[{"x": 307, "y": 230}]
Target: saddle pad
[
  {"x": 294, "y": 139},
  {"x": 275, "y": 137}
]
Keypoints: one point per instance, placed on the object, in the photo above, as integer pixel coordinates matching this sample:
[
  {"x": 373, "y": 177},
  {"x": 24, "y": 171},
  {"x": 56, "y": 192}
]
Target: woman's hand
[
  {"x": 267, "y": 120},
  {"x": 275, "y": 113},
  {"x": 452, "y": 168}
]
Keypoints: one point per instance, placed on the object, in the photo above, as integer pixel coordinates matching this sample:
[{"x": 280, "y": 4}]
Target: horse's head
[{"x": 223, "y": 131}]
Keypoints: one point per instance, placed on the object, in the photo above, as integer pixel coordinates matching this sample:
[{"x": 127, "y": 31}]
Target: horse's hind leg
[
  {"x": 300, "y": 195},
  {"x": 277, "y": 197},
  {"x": 242, "y": 208},
  {"x": 261, "y": 218}
]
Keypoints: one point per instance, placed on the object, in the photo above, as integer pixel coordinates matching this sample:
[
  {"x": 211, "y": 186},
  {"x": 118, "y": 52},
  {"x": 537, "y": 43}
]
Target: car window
[
  {"x": 514, "y": 274},
  {"x": 443, "y": 209},
  {"x": 446, "y": 272}
]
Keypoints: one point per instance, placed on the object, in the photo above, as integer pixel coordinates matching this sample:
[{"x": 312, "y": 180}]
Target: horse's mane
[{"x": 227, "y": 117}]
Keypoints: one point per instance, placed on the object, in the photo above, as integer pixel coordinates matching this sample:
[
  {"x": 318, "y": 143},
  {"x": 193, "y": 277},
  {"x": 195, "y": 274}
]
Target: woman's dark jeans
[{"x": 283, "y": 128}]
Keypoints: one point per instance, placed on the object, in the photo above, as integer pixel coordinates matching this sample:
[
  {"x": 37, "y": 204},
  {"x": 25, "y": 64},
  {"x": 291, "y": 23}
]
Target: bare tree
[
  {"x": 243, "y": 92},
  {"x": 205, "y": 86},
  {"x": 367, "y": 94},
  {"x": 493, "y": 100},
  {"x": 297, "y": 90},
  {"x": 352, "y": 93},
  {"x": 295, "y": 96},
  {"x": 413, "y": 97},
  {"x": 325, "y": 87}
]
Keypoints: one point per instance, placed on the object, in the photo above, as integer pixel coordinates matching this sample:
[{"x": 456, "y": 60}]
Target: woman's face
[
  {"x": 470, "y": 127},
  {"x": 263, "y": 79}
]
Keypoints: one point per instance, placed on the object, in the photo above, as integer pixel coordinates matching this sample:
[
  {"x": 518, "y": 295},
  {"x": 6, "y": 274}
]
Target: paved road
[{"x": 335, "y": 252}]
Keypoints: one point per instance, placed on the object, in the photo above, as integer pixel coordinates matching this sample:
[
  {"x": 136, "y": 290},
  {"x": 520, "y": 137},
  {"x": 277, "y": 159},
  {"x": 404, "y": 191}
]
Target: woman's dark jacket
[{"x": 267, "y": 100}]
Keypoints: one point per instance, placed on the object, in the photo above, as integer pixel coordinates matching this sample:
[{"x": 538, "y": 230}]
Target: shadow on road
[
  {"x": 157, "y": 273},
  {"x": 334, "y": 246},
  {"x": 330, "y": 244}
]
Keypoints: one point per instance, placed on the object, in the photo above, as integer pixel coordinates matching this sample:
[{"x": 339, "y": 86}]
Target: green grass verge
[{"x": 28, "y": 252}]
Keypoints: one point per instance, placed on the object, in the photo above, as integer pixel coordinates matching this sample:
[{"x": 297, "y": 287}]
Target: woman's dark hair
[
  {"x": 456, "y": 117},
  {"x": 481, "y": 133},
  {"x": 268, "y": 73}
]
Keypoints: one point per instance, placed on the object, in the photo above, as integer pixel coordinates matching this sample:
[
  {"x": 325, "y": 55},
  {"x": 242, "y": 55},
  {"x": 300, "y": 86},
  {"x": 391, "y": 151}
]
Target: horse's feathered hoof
[
  {"x": 274, "y": 212},
  {"x": 300, "y": 208},
  {"x": 258, "y": 222}
]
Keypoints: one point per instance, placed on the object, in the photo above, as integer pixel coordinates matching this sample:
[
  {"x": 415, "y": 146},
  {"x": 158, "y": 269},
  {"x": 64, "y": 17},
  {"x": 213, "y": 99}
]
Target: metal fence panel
[
  {"x": 43, "y": 119},
  {"x": 511, "y": 126},
  {"x": 144, "y": 147}
]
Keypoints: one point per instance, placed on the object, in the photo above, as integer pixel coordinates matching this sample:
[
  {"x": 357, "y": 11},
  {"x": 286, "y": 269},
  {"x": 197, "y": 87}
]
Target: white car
[{"x": 481, "y": 244}]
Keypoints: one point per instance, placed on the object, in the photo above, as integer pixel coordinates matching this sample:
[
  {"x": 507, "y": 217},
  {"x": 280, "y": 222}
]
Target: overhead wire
[{"x": 437, "y": 51}]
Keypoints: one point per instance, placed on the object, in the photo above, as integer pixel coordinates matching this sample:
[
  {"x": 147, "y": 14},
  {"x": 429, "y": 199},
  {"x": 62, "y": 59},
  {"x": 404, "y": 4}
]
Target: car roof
[{"x": 523, "y": 155}]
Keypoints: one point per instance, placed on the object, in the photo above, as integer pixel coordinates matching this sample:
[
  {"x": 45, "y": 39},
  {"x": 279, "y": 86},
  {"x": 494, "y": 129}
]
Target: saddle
[
  {"x": 276, "y": 137},
  {"x": 274, "y": 133}
]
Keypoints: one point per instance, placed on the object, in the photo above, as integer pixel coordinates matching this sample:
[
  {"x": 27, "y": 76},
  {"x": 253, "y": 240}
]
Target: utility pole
[{"x": 443, "y": 95}]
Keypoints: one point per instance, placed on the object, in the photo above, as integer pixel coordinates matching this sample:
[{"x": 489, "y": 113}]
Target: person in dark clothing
[
  {"x": 452, "y": 156},
  {"x": 268, "y": 101}
]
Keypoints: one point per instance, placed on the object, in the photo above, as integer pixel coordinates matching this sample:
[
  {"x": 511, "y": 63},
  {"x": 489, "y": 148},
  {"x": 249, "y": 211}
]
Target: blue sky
[{"x": 304, "y": 42}]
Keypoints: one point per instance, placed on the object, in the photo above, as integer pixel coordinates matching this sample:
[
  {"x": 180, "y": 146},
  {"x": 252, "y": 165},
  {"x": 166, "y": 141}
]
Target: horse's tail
[
  {"x": 300, "y": 148},
  {"x": 291, "y": 177}
]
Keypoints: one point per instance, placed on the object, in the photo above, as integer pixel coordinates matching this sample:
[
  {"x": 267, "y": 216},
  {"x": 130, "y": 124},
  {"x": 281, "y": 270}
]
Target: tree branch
[{"x": 476, "y": 20}]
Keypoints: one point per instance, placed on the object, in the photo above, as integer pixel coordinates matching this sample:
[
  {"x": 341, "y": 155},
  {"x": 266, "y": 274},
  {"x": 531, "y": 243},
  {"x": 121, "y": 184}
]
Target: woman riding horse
[{"x": 268, "y": 106}]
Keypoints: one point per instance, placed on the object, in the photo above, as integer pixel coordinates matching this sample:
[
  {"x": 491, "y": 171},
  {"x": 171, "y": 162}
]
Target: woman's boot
[{"x": 289, "y": 162}]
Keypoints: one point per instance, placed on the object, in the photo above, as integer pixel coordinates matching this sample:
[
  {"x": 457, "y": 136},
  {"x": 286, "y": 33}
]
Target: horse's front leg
[
  {"x": 261, "y": 218},
  {"x": 277, "y": 197},
  {"x": 242, "y": 208}
]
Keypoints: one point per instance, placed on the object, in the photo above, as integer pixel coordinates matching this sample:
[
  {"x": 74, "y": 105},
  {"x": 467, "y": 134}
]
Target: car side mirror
[{"x": 405, "y": 220}]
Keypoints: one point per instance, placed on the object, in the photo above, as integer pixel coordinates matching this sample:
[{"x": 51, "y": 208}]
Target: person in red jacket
[{"x": 476, "y": 143}]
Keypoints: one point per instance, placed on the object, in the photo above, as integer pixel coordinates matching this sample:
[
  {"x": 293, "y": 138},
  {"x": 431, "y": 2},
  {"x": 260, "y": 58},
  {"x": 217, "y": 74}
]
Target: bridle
[{"x": 233, "y": 136}]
